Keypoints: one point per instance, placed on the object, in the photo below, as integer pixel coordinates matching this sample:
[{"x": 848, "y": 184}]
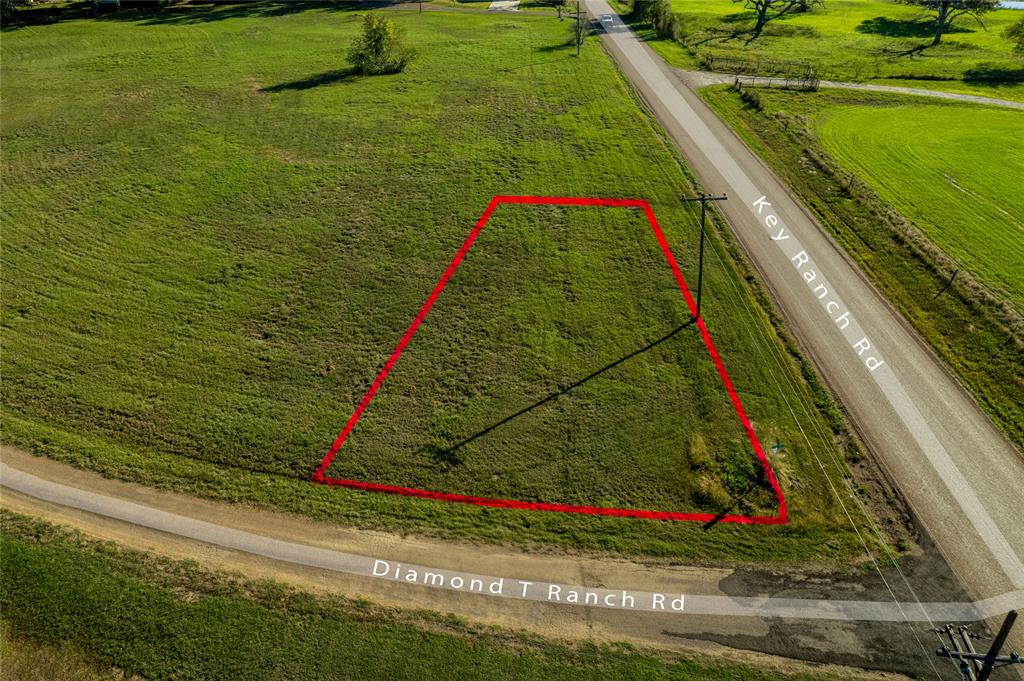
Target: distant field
[
  {"x": 72, "y": 606},
  {"x": 861, "y": 40},
  {"x": 868, "y": 163},
  {"x": 955, "y": 171},
  {"x": 214, "y": 236}
]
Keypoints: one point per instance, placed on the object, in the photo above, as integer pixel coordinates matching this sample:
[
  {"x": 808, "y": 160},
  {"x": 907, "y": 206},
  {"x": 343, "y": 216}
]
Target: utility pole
[
  {"x": 703, "y": 198},
  {"x": 974, "y": 666}
]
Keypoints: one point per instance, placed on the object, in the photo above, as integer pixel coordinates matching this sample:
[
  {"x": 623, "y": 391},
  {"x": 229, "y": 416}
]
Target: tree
[
  {"x": 560, "y": 4},
  {"x": 579, "y": 29},
  {"x": 1016, "y": 34},
  {"x": 658, "y": 13},
  {"x": 379, "y": 49},
  {"x": 767, "y": 10},
  {"x": 946, "y": 11}
]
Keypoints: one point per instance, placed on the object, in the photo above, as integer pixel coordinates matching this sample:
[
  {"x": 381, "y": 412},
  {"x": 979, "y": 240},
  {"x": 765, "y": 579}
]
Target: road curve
[
  {"x": 699, "y": 79},
  {"x": 961, "y": 477},
  {"x": 511, "y": 587}
]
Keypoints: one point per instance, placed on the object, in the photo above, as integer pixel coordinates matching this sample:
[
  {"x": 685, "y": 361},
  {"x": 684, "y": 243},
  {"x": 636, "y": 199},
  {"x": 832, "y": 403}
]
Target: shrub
[
  {"x": 700, "y": 457},
  {"x": 751, "y": 99},
  {"x": 379, "y": 49},
  {"x": 1016, "y": 35},
  {"x": 658, "y": 13},
  {"x": 711, "y": 493}
]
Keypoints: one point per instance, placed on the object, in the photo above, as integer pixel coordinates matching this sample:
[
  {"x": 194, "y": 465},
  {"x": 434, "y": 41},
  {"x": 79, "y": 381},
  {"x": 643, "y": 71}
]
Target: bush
[
  {"x": 1016, "y": 34},
  {"x": 711, "y": 493},
  {"x": 379, "y": 49},
  {"x": 751, "y": 100},
  {"x": 658, "y": 13}
]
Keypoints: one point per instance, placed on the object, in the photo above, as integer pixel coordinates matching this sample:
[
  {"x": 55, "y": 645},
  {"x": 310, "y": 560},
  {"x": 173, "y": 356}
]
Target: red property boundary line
[{"x": 320, "y": 477}]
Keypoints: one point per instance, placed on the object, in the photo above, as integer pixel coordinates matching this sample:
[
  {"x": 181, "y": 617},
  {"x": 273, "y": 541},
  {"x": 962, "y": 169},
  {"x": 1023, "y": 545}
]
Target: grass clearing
[
  {"x": 159, "y": 618},
  {"x": 899, "y": 219},
  {"x": 857, "y": 40},
  {"x": 211, "y": 253},
  {"x": 559, "y": 295}
]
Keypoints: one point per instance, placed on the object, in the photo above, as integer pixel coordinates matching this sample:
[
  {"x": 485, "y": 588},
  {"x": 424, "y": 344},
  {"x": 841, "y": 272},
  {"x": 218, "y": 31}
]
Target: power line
[{"x": 829, "y": 448}]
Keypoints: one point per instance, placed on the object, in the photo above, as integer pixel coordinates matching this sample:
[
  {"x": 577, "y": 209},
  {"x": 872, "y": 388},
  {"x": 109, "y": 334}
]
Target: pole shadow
[
  {"x": 449, "y": 455},
  {"x": 755, "y": 484}
]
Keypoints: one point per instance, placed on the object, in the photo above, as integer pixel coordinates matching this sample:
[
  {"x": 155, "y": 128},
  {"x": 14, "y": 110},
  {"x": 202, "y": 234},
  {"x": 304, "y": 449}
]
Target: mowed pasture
[
  {"x": 555, "y": 367},
  {"x": 955, "y": 171},
  {"x": 860, "y": 40},
  {"x": 913, "y": 190},
  {"x": 214, "y": 235}
]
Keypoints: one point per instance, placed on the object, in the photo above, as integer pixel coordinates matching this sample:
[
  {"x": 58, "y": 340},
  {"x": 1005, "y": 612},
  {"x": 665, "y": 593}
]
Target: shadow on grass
[
  {"x": 994, "y": 74},
  {"x": 445, "y": 458},
  {"x": 317, "y": 80},
  {"x": 557, "y": 47},
  {"x": 182, "y": 14},
  {"x": 199, "y": 14},
  {"x": 41, "y": 15},
  {"x": 756, "y": 484},
  {"x": 904, "y": 28},
  {"x": 737, "y": 17},
  {"x": 449, "y": 455},
  {"x": 568, "y": 48},
  {"x": 718, "y": 35}
]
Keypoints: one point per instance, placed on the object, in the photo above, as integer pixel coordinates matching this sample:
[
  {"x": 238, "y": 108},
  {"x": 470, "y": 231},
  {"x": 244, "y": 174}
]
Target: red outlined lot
[{"x": 320, "y": 476}]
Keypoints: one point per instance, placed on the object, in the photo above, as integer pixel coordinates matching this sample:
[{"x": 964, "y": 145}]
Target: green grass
[
  {"x": 25, "y": 660},
  {"x": 904, "y": 218},
  {"x": 557, "y": 294},
  {"x": 163, "y": 619},
  {"x": 949, "y": 169},
  {"x": 858, "y": 40},
  {"x": 214, "y": 236}
]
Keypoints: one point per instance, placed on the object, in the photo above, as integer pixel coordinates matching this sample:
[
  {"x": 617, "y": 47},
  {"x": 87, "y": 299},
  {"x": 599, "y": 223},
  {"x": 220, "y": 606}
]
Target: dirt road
[
  {"x": 958, "y": 473},
  {"x": 799, "y": 614},
  {"x": 699, "y": 79}
]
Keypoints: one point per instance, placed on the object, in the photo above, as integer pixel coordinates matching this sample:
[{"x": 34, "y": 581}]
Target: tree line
[{"x": 659, "y": 15}]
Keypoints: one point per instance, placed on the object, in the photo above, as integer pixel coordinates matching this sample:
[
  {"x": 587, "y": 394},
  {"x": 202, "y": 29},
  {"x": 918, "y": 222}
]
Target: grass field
[
  {"x": 110, "y": 608},
  {"x": 950, "y": 169},
  {"x": 557, "y": 294},
  {"x": 859, "y": 40},
  {"x": 215, "y": 235},
  {"x": 935, "y": 183}
]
